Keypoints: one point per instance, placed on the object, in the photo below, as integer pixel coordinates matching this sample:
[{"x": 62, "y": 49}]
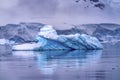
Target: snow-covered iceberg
[{"x": 48, "y": 39}]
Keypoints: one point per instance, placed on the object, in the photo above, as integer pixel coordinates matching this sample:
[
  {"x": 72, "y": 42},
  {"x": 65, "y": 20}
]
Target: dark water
[{"x": 61, "y": 65}]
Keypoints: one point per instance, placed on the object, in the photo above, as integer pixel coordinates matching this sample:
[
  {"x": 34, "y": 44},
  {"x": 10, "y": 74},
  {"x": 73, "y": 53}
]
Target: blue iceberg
[{"x": 48, "y": 39}]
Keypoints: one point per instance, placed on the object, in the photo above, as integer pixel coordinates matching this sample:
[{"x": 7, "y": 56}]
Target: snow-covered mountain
[
  {"x": 105, "y": 32},
  {"x": 101, "y": 4},
  {"x": 23, "y": 32},
  {"x": 107, "y": 35}
]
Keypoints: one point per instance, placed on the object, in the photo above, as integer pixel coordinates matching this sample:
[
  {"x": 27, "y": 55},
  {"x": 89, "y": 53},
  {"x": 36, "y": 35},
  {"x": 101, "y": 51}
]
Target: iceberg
[{"x": 48, "y": 39}]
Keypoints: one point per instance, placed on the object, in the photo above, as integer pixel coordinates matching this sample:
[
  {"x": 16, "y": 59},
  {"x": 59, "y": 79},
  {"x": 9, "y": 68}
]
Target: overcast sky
[{"x": 57, "y": 12}]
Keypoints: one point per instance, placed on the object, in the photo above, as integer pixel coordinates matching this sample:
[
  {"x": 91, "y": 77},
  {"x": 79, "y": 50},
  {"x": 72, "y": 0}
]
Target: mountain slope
[{"x": 20, "y": 32}]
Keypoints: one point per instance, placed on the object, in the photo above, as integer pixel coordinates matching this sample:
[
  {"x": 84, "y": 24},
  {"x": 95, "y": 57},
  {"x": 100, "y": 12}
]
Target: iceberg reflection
[{"x": 48, "y": 62}]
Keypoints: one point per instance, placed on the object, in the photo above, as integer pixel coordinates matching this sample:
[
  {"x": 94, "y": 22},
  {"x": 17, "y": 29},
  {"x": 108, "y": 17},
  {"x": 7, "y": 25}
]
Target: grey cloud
[
  {"x": 39, "y": 6},
  {"x": 55, "y": 12}
]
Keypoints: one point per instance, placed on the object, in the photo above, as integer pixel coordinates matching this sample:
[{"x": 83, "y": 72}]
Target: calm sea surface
[{"x": 61, "y": 65}]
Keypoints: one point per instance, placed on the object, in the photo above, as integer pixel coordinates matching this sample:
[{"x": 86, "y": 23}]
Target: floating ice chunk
[{"x": 49, "y": 40}]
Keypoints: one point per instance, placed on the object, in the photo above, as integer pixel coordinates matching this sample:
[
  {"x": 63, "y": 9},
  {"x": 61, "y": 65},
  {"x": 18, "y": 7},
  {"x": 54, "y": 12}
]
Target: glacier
[{"x": 48, "y": 39}]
